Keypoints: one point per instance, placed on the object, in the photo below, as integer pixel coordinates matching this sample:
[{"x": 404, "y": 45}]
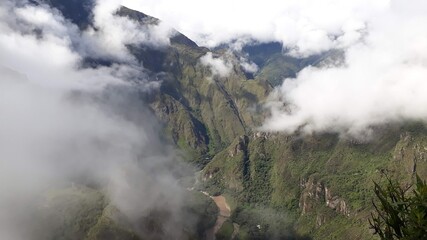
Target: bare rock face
[
  {"x": 261, "y": 135},
  {"x": 410, "y": 151},
  {"x": 312, "y": 192},
  {"x": 209, "y": 174},
  {"x": 316, "y": 192},
  {"x": 241, "y": 147},
  {"x": 336, "y": 203}
]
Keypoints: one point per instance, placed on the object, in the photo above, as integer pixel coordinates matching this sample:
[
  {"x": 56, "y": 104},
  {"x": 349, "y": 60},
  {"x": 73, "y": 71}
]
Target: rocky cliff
[{"x": 324, "y": 180}]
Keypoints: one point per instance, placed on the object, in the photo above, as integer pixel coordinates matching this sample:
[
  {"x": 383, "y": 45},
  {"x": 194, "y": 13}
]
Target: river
[{"x": 223, "y": 215}]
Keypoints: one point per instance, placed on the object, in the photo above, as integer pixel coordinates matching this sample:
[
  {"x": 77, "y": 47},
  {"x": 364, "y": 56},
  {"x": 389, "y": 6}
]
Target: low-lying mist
[{"x": 64, "y": 125}]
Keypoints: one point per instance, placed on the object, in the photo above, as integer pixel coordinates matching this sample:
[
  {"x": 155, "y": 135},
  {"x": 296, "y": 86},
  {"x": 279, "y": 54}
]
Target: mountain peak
[{"x": 145, "y": 19}]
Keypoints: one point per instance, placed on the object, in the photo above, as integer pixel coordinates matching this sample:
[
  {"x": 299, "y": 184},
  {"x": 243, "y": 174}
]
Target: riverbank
[{"x": 223, "y": 215}]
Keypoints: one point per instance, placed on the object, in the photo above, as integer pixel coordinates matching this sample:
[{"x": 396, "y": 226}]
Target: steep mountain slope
[
  {"x": 275, "y": 65},
  {"x": 80, "y": 212},
  {"x": 324, "y": 181},
  {"x": 321, "y": 184},
  {"x": 282, "y": 186},
  {"x": 203, "y": 113}
]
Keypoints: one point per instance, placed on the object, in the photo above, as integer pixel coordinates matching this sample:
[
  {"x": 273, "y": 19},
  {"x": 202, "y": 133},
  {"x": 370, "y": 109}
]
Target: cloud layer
[
  {"x": 383, "y": 80},
  {"x": 62, "y": 123},
  {"x": 305, "y": 26}
]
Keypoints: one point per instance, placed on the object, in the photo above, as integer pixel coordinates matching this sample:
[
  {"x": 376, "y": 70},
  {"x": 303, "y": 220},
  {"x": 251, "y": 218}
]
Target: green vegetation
[
  {"x": 71, "y": 212},
  {"x": 324, "y": 182},
  {"x": 226, "y": 231},
  {"x": 108, "y": 228},
  {"x": 80, "y": 212},
  {"x": 277, "y": 68},
  {"x": 205, "y": 209},
  {"x": 399, "y": 212},
  {"x": 263, "y": 223},
  {"x": 281, "y": 186}
]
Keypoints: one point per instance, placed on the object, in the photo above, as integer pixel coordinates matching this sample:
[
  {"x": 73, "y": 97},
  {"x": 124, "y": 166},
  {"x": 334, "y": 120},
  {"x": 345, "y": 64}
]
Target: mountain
[
  {"x": 279, "y": 186},
  {"x": 78, "y": 11},
  {"x": 275, "y": 64},
  {"x": 321, "y": 183}
]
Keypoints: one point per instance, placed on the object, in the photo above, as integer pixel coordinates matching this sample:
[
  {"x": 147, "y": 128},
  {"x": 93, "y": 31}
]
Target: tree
[{"x": 400, "y": 213}]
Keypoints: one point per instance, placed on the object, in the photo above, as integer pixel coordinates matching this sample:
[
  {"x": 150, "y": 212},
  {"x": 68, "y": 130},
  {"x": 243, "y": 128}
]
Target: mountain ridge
[{"x": 284, "y": 186}]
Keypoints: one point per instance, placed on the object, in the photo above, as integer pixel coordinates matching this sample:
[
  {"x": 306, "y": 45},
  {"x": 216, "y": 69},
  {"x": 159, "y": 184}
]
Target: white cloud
[
  {"x": 383, "y": 80},
  {"x": 248, "y": 66},
  {"x": 41, "y": 17},
  {"x": 218, "y": 65},
  {"x": 114, "y": 32},
  {"x": 63, "y": 123},
  {"x": 384, "y": 42},
  {"x": 307, "y": 26}
]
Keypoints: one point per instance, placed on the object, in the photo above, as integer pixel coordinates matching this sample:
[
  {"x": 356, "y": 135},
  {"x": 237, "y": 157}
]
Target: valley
[
  {"x": 223, "y": 215},
  {"x": 135, "y": 131}
]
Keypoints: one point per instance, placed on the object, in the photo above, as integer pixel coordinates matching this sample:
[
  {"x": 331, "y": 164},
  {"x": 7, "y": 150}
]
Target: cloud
[
  {"x": 63, "y": 123},
  {"x": 304, "y": 26},
  {"x": 112, "y": 33},
  {"x": 107, "y": 37},
  {"x": 383, "y": 80},
  {"x": 218, "y": 65},
  {"x": 248, "y": 66},
  {"x": 380, "y": 82}
]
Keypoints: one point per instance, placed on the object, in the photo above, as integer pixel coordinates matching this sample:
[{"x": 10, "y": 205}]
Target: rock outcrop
[{"x": 317, "y": 193}]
